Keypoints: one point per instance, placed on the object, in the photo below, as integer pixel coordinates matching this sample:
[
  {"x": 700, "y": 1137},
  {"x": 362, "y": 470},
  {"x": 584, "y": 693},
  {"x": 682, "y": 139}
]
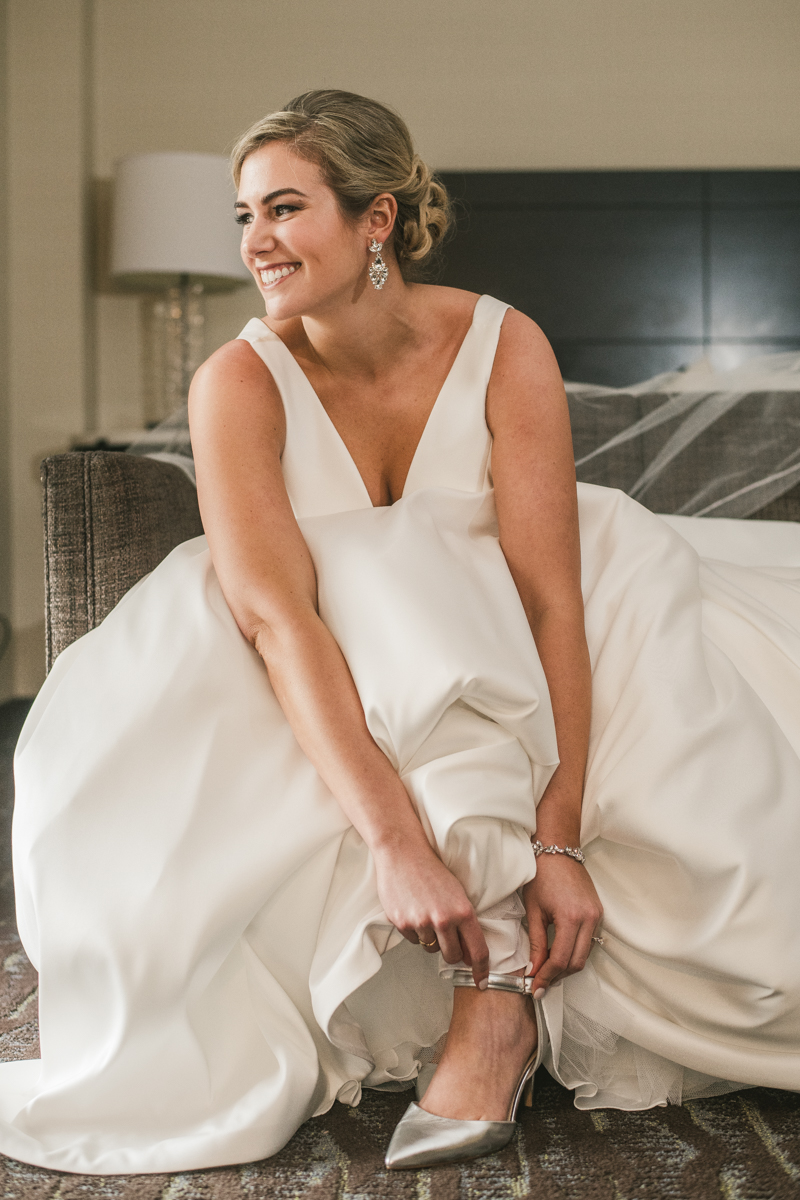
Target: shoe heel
[{"x": 527, "y": 1095}]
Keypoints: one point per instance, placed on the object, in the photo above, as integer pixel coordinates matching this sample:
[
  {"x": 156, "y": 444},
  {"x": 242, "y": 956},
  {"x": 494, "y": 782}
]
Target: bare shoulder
[
  {"x": 525, "y": 379},
  {"x": 235, "y": 387},
  {"x": 234, "y": 364},
  {"x": 441, "y": 296},
  {"x": 451, "y": 307},
  {"x": 523, "y": 349}
]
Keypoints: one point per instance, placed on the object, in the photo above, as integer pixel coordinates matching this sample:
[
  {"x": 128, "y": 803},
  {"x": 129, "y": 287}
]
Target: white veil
[{"x": 695, "y": 442}]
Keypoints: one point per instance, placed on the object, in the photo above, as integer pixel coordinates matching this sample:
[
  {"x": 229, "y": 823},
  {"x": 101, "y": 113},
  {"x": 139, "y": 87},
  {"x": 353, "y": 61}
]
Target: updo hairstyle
[{"x": 362, "y": 149}]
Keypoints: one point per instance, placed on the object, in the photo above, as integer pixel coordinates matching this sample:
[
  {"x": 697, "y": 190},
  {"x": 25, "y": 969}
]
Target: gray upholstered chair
[{"x": 110, "y": 518}]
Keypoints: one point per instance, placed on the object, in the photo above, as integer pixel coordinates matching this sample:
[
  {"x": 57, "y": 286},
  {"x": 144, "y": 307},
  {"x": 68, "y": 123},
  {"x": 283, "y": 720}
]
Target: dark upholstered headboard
[{"x": 631, "y": 273}]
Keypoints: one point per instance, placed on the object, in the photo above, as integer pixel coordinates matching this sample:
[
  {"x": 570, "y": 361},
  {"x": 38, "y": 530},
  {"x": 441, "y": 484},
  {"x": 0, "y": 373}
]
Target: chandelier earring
[{"x": 378, "y": 271}]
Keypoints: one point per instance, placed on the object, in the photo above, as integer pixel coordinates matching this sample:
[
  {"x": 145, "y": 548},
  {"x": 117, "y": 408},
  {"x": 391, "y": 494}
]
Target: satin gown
[{"x": 215, "y": 966}]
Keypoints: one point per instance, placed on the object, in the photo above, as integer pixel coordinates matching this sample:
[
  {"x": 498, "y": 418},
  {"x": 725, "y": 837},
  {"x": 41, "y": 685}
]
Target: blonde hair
[{"x": 362, "y": 149}]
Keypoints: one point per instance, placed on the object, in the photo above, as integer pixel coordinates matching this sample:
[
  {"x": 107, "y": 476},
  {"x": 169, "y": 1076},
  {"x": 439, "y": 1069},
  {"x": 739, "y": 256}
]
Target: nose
[{"x": 257, "y": 240}]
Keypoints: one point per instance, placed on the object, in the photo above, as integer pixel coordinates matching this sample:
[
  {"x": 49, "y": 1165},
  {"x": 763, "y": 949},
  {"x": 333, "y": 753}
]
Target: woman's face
[{"x": 302, "y": 253}]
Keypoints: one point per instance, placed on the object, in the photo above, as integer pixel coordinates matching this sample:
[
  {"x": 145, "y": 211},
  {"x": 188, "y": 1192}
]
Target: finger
[
  {"x": 558, "y": 959},
  {"x": 580, "y": 951},
  {"x": 537, "y": 933},
  {"x": 449, "y": 944},
  {"x": 428, "y": 940},
  {"x": 474, "y": 944}
]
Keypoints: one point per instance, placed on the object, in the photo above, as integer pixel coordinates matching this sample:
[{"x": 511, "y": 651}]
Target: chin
[
  {"x": 303, "y": 301},
  {"x": 280, "y": 304},
  {"x": 280, "y": 309}
]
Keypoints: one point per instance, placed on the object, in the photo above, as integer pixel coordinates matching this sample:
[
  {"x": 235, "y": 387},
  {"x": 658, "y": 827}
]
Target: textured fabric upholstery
[
  {"x": 700, "y": 453},
  {"x": 785, "y": 508},
  {"x": 109, "y": 519}
]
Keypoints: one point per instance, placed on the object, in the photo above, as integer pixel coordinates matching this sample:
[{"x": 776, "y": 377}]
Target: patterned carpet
[{"x": 744, "y": 1146}]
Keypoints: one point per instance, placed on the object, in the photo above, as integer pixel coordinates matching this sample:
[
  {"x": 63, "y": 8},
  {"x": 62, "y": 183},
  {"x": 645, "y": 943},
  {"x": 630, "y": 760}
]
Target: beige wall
[
  {"x": 512, "y": 84},
  {"x": 507, "y": 84},
  {"x": 6, "y": 676},
  {"x": 47, "y": 365}
]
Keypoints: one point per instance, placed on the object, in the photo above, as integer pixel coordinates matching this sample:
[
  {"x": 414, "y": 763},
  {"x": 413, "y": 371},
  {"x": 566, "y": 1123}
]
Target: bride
[{"x": 311, "y": 809}]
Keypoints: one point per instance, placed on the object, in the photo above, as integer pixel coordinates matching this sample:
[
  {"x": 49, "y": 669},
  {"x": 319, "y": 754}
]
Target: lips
[{"x": 272, "y": 275}]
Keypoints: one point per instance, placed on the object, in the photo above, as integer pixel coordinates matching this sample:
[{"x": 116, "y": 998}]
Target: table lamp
[{"x": 174, "y": 240}]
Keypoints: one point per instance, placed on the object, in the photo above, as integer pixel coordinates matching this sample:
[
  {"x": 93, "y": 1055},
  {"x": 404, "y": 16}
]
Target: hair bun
[{"x": 428, "y": 217}]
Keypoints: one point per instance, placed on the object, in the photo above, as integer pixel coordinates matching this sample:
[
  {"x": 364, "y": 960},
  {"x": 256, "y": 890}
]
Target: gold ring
[{"x": 427, "y": 945}]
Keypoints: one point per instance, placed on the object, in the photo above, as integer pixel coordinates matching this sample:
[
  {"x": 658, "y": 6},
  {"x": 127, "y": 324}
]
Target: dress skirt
[{"x": 214, "y": 961}]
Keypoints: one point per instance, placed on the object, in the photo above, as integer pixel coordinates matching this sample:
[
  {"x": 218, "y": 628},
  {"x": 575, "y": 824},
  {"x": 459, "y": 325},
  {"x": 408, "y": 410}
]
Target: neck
[{"x": 356, "y": 335}]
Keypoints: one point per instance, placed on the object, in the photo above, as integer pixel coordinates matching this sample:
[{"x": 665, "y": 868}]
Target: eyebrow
[{"x": 272, "y": 195}]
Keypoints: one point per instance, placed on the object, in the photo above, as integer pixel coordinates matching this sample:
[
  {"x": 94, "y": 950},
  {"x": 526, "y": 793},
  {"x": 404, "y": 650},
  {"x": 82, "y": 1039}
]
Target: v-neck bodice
[{"x": 454, "y": 450}]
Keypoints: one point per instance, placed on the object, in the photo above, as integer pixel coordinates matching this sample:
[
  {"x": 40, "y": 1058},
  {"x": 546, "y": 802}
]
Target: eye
[
  {"x": 280, "y": 209},
  {"x": 243, "y": 218}
]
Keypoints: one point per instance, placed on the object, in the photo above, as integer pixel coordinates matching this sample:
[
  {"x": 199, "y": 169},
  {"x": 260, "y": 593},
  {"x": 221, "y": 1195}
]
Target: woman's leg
[{"x": 492, "y": 1036}]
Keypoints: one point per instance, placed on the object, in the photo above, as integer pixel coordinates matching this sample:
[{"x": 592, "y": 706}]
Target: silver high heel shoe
[{"x": 422, "y": 1139}]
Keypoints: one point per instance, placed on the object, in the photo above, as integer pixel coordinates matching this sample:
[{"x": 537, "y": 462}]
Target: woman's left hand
[{"x": 561, "y": 894}]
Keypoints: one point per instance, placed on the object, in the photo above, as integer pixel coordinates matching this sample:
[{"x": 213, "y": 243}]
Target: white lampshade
[{"x": 173, "y": 216}]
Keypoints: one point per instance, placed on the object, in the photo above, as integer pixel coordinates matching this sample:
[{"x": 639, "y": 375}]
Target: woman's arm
[
  {"x": 537, "y": 509},
  {"x": 267, "y": 576}
]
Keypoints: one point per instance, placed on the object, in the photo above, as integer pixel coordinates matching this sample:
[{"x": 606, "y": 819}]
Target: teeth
[{"x": 270, "y": 276}]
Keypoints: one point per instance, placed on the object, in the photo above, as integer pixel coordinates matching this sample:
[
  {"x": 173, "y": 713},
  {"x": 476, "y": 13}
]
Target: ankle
[{"x": 503, "y": 1015}]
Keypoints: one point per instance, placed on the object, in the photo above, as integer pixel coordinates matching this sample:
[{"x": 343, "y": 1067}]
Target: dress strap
[
  {"x": 455, "y": 450},
  {"x": 319, "y": 473}
]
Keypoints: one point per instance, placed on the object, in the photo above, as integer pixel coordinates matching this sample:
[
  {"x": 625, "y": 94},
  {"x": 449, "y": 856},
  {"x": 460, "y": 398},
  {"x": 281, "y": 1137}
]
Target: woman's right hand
[{"x": 426, "y": 903}]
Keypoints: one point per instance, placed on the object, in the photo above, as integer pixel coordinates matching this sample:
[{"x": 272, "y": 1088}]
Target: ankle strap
[{"x": 498, "y": 983}]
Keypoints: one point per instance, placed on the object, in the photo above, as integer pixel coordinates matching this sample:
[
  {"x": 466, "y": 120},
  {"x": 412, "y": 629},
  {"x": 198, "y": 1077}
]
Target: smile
[{"x": 272, "y": 275}]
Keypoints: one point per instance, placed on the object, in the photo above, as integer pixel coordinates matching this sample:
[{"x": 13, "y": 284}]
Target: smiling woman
[{"x": 305, "y": 813}]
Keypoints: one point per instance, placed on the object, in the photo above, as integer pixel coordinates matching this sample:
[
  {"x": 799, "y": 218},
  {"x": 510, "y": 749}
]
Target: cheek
[{"x": 336, "y": 253}]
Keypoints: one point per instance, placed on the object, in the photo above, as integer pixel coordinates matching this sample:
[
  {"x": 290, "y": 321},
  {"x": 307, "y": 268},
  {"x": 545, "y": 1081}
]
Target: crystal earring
[{"x": 378, "y": 271}]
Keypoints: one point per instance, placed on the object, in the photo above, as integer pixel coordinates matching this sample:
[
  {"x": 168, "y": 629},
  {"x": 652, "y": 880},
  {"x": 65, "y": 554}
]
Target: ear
[{"x": 380, "y": 217}]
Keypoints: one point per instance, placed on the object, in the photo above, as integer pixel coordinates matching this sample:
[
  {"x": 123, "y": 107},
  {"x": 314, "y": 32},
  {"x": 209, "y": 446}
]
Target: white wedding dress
[{"x": 215, "y": 967}]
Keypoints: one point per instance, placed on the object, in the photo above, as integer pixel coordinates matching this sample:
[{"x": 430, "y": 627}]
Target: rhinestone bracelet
[{"x": 570, "y": 851}]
